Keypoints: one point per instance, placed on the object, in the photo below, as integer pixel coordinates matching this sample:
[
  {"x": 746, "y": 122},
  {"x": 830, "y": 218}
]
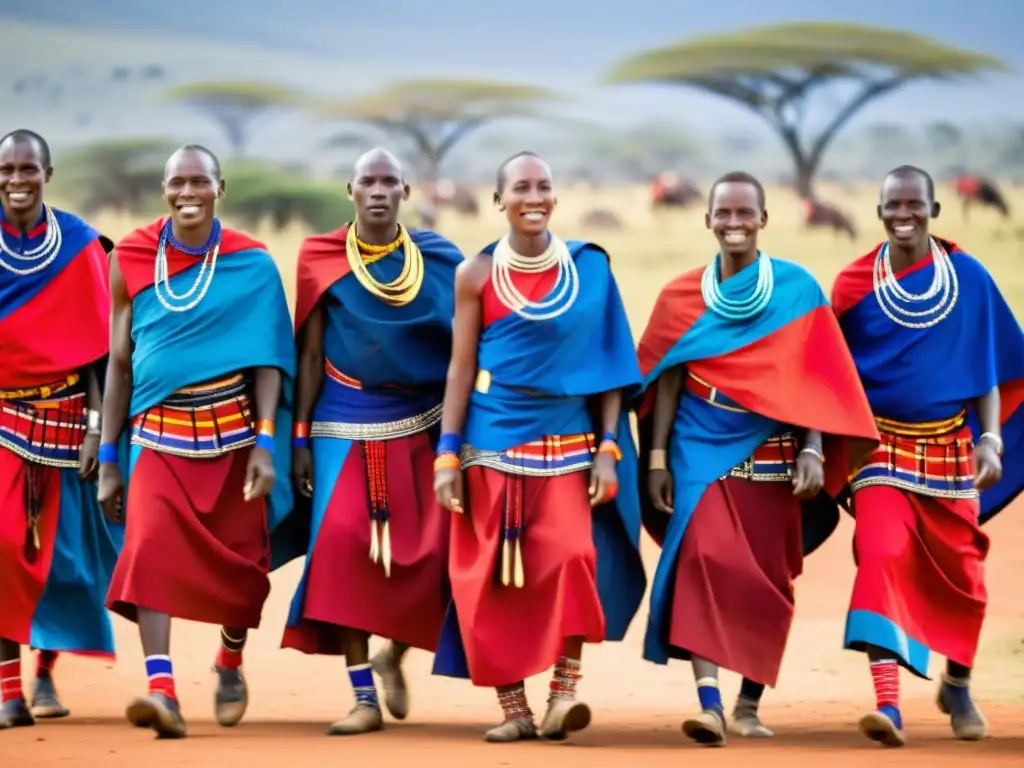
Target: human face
[
  {"x": 528, "y": 195},
  {"x": 378, "y": 190},
  {"x": 191, "y": 189},
  {"x": 905, "y": 209},
  {"x": 735, "y": 216},
  {"x": 22, "y": 176}
]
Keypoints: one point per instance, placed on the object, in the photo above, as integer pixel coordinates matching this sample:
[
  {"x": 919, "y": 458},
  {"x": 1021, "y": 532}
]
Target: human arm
[
  {"x": 666, "y": 403},
  {"x": 462, "y": 370},
  {"x": 604, "y": 483},
  {"x": 88, "y": 462},
  {"x": 117, "y": 394},
  {"x": 989, "y": 449},
  {"x": 307, "y": 390},
  {"x": 259, "y": 472},
  {"x": 809, "y": 474}
]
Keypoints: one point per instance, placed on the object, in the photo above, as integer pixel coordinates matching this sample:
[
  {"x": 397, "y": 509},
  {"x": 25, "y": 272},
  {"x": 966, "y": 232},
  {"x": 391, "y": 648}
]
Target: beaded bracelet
[
  {"x": 265, "y": 441},
  {"x": 610, "y": 436},
  {"x": 449, "y": 442},
  {"x": 265, "y": 427},
  {"x": 610, "y": 447},
  {"x": 300, "y": 434},
  {"x": 996, "y": 440},
  {"x": 815, "y": 451},
  {"x": 447, "y": 460},
  {"x": 108, "y": 454}
]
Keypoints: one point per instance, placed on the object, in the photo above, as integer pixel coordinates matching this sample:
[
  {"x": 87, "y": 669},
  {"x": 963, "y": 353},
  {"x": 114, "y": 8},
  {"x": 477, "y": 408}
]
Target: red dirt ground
[{"x": 637, "y": 706}]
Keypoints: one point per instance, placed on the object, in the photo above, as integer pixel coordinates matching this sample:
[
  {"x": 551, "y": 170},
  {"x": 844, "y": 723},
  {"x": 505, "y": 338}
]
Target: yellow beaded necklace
[{"x": 404, "y": 288}]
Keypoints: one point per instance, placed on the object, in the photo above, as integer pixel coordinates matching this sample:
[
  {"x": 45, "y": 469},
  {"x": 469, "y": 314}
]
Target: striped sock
[
  {"x": 886, "y": 675},
  {"x": 10, "y": 680},
  {"x": 45, "y": 662},
  {"x": 708, "y": 693},
  {"x": 361, "y": 676},
  {"x": 565, "y": 678},
  {"x": 161, "y": 676},
  {"x": 230, "y": 654}
]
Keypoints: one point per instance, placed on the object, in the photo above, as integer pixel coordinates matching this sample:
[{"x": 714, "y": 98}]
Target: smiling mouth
[
  {"x": 535, "y": 215},
  {"x": 734, "y": 238},
  {"x": 19, "y": 197},
  {"x": 904, "y": 229},
  {"x": 189, "y": 208}
]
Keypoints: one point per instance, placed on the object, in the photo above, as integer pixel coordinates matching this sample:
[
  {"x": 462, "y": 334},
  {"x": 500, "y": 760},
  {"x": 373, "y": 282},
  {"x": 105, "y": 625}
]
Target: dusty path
[{"x": 637, "y": 706}]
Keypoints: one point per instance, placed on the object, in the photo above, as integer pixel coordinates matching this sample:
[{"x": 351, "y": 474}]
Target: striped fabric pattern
[
  {"x": 936, "y": 461},
  {"x": 48, "y": 432},
  {"x": 772, "y": 462}
]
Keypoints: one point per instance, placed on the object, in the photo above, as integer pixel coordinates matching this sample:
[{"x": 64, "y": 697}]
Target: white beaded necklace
[
  {"x": 39, "y": 257},
  {"x": 945, "y": 285},
  {"x": 504, "y": 261},
  {"x": 162, "y": 280},
  {"x": 746, "y": 308}
]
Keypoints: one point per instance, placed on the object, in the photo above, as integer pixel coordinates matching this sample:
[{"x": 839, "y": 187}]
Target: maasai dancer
[
  {"x": 744, "y": 365},
  {"x": 374, "y": 320},
  {"x": 544, "y": 550},
  {"x": 56, "y": 551},
  {"x": 942, "y": 359},
  {"x": 201, "y": 361}
]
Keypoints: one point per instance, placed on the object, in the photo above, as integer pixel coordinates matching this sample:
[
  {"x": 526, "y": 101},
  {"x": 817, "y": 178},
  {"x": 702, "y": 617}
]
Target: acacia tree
[
  {"x": 434, "y": 115},
  {"x": 234, "y": 105},
  {"x": 775, "y": 71}
]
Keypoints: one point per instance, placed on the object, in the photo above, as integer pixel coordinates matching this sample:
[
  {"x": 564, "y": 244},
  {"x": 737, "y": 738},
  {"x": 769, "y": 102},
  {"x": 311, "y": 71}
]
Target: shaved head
[{"x": 377, "y": 156}]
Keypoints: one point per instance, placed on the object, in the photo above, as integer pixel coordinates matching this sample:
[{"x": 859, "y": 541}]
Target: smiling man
[
  {"x": 743, "y": 365},
  {"x": 201, "y": 366},
  {"x": 374, "y": 308},
  {"x": 56, "y": 554},
  {"x": 942, "y": 360}
]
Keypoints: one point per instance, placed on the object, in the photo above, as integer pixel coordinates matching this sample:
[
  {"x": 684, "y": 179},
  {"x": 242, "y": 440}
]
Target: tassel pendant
[
  {"x": 385, "y": 548},
  {"x": 35, "y": 535},
  {"x": 520, "y": 575},
  {"x": 374, "y": 542},
  {"x": 506, "y": 563}
]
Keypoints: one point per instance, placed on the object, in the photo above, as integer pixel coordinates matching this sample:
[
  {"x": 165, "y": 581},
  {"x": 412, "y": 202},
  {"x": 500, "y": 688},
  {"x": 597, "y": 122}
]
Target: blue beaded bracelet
[
  {"x": 108, "y": 453},
  {"x": 449, "y": 443},
  {"x": 300, "y": 442},
  {"x": 265, "y": 441},
  {"x": 611, "y": 436}
]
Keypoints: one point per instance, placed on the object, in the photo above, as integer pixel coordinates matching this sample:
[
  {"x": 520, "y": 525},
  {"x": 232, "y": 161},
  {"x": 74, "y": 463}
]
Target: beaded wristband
[
  {"x": 300, "y": 429},
  {"x": 300, "y": 442},
  {"x": 610, "y": 446},
  {"x": 265, "y": 441},
  {"x": 449, "y": 442},
  {"x": 447, "y": 460},
  {"x": 814, "y": 451},
  {"x": 265, "y": 427},
  {"x": 996, "y": 440},
  {"x": 610, "y": 437},
  {"x": 108, "y": 453}
]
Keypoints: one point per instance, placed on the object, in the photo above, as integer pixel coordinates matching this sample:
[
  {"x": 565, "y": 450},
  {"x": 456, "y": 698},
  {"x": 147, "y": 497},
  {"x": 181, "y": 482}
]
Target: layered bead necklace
[
  {"x": 742, "y": 309},
  {"x": 404, "y": 288},
  {"x": 34, "y": 259},
  {"x": 941, "y": 294},
  {"x": 563, "y": 295},
  {"x": 183, "y": 302}
]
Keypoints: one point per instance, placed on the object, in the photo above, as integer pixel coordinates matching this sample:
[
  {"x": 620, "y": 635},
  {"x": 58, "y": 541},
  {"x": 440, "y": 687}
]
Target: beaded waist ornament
[
  {"x": 934, "y": 458},
  {"x": 772, "y": 462},
  {"x": 201, "y": 421},
  {"x": 45, "y": 426}
]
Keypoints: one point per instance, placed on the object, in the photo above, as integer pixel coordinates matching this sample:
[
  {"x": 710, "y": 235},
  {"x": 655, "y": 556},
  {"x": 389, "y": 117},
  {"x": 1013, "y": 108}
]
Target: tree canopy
[
  {"x": 234, "y": 105},
  {"x": 434, "y": 115},
  {"x": 774, "y": 71}
]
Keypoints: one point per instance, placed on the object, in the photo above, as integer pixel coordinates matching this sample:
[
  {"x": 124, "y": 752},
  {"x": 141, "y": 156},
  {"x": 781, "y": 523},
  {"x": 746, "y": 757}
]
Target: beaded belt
[
  {"x": 47, "y": 431},
  {"x": 710, "y": 394},
  {"x": 772, "y": 461},
  {"x": 373, "y": 438},
  {"x": 44, "y": 392},
  {"x": 550, "y": 456},
  {"x": 205, "y": 420},
  {"x": 933, "y": 459}
]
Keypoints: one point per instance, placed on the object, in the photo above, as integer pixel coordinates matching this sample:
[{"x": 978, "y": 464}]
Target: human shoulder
[{"x": 473, "y": 272}]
